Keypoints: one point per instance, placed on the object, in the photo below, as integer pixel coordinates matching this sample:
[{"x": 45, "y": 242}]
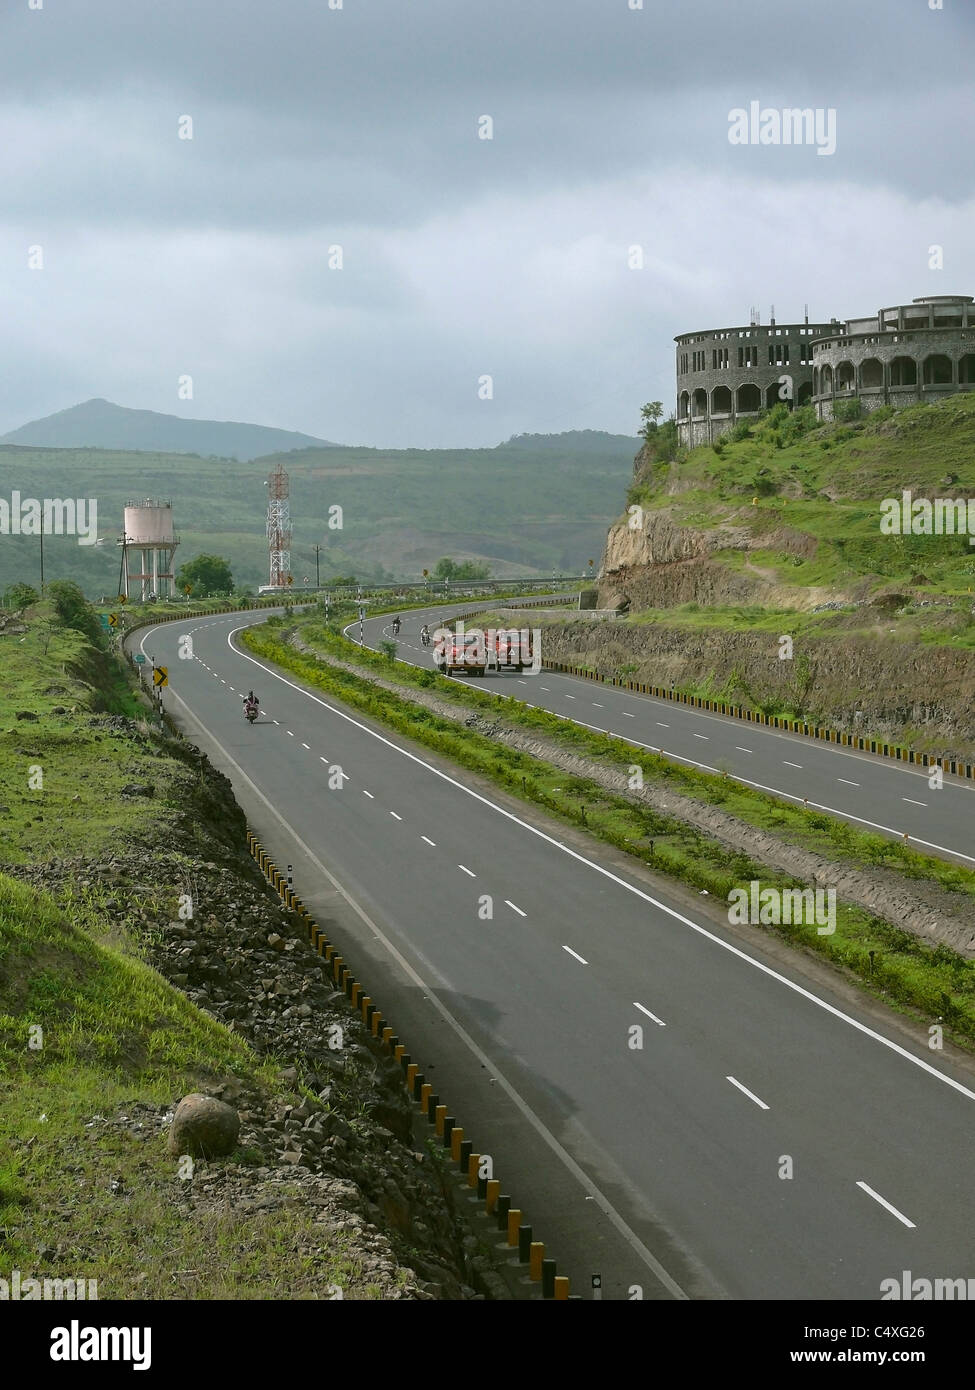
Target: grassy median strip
[{"x": 890, "y": 962}]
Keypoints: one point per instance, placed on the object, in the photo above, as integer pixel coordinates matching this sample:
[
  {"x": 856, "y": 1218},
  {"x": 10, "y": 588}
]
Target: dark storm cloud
[{"x": 314, "y": 127}]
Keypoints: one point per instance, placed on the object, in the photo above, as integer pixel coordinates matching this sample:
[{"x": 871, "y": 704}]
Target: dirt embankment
[
  {"x": 335, "y": 1138},
  {"x": 900, "y": 691}
]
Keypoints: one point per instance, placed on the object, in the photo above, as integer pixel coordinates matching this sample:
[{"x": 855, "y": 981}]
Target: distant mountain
[
  {"x": 98, "y": 424},
  {"x": 579, "y": 441}
]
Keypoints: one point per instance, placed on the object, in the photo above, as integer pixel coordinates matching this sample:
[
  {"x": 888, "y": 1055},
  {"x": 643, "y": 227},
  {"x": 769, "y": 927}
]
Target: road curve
[
  {"x": 869, "y": 791},
  {"x": 770, "y": 1139}
]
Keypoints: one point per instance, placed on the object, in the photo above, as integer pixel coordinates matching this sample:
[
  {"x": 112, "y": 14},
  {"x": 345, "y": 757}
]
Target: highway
[
  {"x": 773, "y": 1137},
  {"x": 869, "y": 791}
]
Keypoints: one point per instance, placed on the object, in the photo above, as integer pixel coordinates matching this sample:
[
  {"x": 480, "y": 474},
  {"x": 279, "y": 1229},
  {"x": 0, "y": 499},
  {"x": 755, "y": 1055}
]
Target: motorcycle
[
  {"x": 396, "y": 629},
  {"x": 250, "y": 713},
  {"x": 425, "y": 638}
]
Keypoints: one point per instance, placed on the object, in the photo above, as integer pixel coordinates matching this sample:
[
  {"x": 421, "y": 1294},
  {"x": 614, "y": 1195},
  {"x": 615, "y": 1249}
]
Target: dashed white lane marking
[
  {"x": 570, "y": 697},
  {"x": 788, "y": 764},
  {"x": 646, "y": 1011},
  {"x": 603, "y": 872},
  {"x": 543, "y": 687},
  {"x": 597, "y": 705},
  {"x": 515, "y": 908},
  {"x": 305, "y": 745},
  {"x": 428, "y": 840},
  {"x": 369, "y": 794},
  {"x": 706, "y": 736},
  {"x": 884, "y": 1203},
  {"x": 913, "y": 802},
  {"x": 579, "y": 958},
  {"x": 847, "y": 781},
  {"x": 628, "y": 715},
  {"x": 395, "y": 816},
  {"x": 661, "y": 726},
  {"x": 521, "y": 682},
  {"x": 742, "y": 750},
  {"x": 466, "y": 870},
  {"x": 290, "y": 734},
  {"x": 221, "y": 680},
  {"x": 745, "y": 1091},
  {"x": 321, "y": 759}
]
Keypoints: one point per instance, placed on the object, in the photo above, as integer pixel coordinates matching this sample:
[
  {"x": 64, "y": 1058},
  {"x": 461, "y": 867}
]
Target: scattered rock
[{"x": 203, "y": 1127}]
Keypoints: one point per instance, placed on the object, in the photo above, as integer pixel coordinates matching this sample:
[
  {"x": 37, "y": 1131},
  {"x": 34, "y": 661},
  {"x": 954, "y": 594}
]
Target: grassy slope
[
  {"x": 114, "y": 1031},
  {"x": 859, "y": 465},
  {"x": 529, "y": 505}
]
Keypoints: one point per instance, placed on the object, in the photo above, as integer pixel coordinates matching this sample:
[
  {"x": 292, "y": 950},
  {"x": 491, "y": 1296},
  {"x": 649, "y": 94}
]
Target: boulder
[{"x": 203, "y": 1127}]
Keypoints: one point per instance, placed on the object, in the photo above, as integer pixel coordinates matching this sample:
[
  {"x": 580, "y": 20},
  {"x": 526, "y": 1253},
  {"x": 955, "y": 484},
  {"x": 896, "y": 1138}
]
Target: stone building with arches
[
  {"x": 729, "y": 374},
  {"x": 914, "y": 352},
  {"x": 920, "y": 351}
]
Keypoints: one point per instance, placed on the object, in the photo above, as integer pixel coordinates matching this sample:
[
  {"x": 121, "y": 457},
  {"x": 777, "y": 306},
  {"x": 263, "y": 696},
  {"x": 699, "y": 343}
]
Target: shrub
[
  {"x": 845, "y": 412},
  {"x": 73, "y": 608},
  {"x": 20, "y": 596}
]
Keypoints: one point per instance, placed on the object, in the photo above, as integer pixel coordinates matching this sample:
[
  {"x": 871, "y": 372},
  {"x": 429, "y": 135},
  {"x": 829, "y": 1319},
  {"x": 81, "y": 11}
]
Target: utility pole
[
  {"x": 42, "y": 550},
  {"x": 318, "y": 577}
]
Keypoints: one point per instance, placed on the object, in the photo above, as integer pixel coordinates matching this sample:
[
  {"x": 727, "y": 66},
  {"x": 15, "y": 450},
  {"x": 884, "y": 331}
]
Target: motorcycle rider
[
  {"x": 425, "y": 635},
  {"x": 251, "y": 705},
  {"x": 395, "y": 627}
]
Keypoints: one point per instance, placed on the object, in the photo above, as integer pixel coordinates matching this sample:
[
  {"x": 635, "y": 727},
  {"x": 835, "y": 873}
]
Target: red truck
[
  {"x": 460, "y": 651},
  {"x": 513, "y": 649}
]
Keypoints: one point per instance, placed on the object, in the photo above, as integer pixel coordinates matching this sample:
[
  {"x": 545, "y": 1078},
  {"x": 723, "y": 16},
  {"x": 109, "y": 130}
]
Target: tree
[
  {"x": 206, "y": 574},
  {"x": 20, "y": 596},
  {"x": 650, "y": 414},
  {"x": 465, "y": 571}
]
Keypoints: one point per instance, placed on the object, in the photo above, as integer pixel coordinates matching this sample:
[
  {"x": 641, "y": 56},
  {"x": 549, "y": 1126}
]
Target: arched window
[
  {"x": 700, "y": 401},
  {"x": 871, "y": 374},
  {"x": 903, "y": 371},
  {"x": 721, "y": 400},
  {"x": 683, "y": 404},
  {"x": 966, "y": 369},
  {"x": 805, "y": 393},
  {"x": 937, "y": 370},
  {"x": 749, "y": 398},
  {"x": 826, "y": 380},
  {"x": 845, "y": 377}
]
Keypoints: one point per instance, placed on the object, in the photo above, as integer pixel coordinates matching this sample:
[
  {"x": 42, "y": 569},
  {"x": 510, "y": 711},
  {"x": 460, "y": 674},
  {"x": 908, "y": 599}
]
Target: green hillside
[
  {"x": 526, "y": 507},
  {"x": 802, "y": 502}
]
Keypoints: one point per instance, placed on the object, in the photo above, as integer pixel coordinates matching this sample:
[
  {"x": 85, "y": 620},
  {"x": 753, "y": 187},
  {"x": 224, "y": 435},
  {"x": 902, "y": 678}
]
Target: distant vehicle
[
  {"x": 460, "y": 652},
  {"x": 513, "y": 650}
]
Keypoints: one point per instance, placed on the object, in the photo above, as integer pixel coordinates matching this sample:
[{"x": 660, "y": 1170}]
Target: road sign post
[{"x": 597, "y": 1286}]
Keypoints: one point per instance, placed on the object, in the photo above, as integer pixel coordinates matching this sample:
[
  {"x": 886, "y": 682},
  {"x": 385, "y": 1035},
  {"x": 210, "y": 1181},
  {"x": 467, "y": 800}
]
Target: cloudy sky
[{"x": 358, "y": 127}]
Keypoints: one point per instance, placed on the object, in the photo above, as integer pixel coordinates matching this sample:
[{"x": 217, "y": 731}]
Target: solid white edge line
[
  {"x": 608, "y": 873},
  {"x": 579, "y": 1173},
  {"x": 745, "y": 1091},
  {"x": 884, "y": 1203}
]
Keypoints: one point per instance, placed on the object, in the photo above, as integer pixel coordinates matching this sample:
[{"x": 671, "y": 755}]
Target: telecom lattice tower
[{"x": 279, "y": 529}]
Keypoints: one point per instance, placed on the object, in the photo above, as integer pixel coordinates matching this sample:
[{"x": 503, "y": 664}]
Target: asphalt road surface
[
  {"x": 869, "y": 791},
  {"x": 772, "y": 1138}
]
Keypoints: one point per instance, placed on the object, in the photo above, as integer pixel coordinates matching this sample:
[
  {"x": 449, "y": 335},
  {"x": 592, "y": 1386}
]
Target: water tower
[{"x": 148, "y": 544}]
